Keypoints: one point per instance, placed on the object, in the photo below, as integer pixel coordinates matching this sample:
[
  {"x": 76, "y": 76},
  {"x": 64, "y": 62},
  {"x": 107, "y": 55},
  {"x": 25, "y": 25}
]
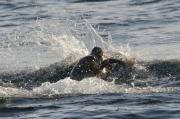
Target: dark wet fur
[{"x": 88, "y": 66}]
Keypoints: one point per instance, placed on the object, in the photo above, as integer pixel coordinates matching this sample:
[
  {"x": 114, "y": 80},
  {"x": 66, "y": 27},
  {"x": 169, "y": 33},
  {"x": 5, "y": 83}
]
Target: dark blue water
[
  {"x": 148, "y": 106},
  {"x": 35, "y": 35}
]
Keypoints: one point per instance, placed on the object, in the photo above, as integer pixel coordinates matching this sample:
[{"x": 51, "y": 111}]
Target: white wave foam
[
  {"x": 86, "y": 86},
  {"x": 92, "y": 86},
  {"x": 68, "y": 86},
  {"x": 14, "y": 92}
]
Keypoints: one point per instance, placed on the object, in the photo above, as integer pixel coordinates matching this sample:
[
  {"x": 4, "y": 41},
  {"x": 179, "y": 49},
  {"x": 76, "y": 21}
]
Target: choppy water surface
[{"x": 40, "y": 39}]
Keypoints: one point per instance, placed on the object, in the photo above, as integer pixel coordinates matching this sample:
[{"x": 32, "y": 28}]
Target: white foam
[
  {"x": 14, "y": 92},
  {"x": 86, "y": 86},
  {"x": 92, "y": 86}
]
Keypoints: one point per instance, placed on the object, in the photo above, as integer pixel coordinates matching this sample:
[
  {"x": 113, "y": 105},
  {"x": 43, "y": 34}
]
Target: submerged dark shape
[
  {"x": 157, "y": 73},
  {"x": 52, "y": 73},
  {"x": 164, "y": 68}
]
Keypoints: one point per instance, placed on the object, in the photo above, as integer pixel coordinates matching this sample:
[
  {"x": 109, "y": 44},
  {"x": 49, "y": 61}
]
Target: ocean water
[{"x": 40, "y": 39}]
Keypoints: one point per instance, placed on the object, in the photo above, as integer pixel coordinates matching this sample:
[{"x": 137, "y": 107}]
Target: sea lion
[
  {"x": 88, "y": 66},
  {"x": 93, "y": 65},
  {"x": 113, "y": 68}
]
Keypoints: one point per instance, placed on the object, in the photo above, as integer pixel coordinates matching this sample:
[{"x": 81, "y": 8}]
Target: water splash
[{"x": 60, "y": 40}]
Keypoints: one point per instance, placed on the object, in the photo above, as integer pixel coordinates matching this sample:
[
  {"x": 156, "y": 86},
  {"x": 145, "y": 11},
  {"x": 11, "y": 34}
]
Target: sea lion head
[{"x": 97, "y": 51}]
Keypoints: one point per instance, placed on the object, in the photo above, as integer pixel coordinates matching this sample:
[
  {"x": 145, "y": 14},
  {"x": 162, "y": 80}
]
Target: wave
[
  {"x": 80, "y": 1},
  {"x": 146, "y": 2},
  {"x": 87, "y": 86},
  {"x": 154, "y": 76},
  {"x": 142, "y": 77}
]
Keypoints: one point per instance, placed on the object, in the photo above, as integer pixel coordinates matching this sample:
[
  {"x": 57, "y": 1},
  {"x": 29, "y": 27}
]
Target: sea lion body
[{"x": 88, "y": 66}]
